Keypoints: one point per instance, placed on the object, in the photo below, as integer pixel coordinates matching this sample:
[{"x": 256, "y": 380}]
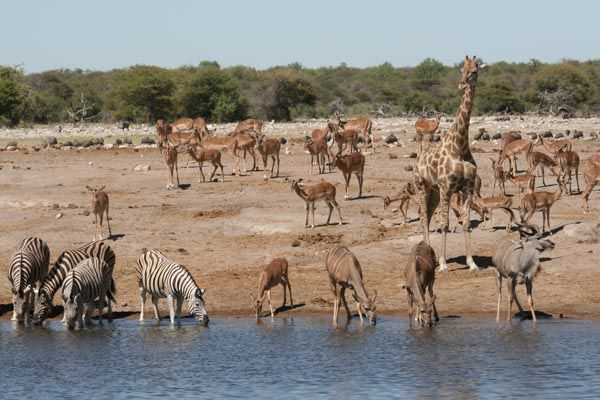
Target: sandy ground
[{"x": 225, "y": 233}]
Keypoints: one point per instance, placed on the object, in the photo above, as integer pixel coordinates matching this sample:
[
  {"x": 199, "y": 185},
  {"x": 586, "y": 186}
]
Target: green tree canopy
[
  {"x": 283, "y": 90},
  {"x": 144, "y": 92},
  {"x": 561, "y": 84},
  {"x": 499, "y": 96},
  {"x": 10, "y": 96},
  {"x": 213, "y": 94}
]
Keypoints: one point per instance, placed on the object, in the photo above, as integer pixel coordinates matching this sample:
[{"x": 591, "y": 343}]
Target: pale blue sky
[{"x": 107, "y": 34}]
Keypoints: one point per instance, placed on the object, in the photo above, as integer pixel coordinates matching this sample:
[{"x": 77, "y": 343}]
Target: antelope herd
[{"x": 445, "y": 177}]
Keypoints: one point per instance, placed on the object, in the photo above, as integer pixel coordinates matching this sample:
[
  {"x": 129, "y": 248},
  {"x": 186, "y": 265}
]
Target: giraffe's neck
[{"x": 459, "y": 132}]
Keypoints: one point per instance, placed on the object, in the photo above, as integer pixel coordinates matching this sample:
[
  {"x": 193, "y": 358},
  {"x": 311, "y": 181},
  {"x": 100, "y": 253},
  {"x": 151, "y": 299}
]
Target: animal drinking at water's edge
[
  {"x": 321, "y": 191},
  {"x": 99, "y": 208},
  {"x": 345, "y": 273},
  {"x": 419, "y": 275},
  {"x": 274, "y": 274}
]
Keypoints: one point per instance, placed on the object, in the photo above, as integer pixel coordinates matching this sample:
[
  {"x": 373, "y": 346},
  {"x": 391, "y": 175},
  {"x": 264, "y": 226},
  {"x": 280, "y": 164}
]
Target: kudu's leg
[
  {"x": 499, "y": 288},
  {"x": 529, "y": 289},
  {"x": 359, "y": 312},
  {"x": 270, "y": 305},
  {"x": 435, "y": 313}
]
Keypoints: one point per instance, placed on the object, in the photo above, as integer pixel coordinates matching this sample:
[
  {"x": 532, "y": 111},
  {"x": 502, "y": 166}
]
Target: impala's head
[
  {"x": 196, "y": 307},
  {"x": 469, "y": 71},
  {"x": 424, "y": 312},
  {"x": 21, "y": 298},
  {"x": 95, "y": 191},
  {"x": 296, "y": 184},
  {"x": 43, "y": 305},
  {"x": 307, "y": 142}
]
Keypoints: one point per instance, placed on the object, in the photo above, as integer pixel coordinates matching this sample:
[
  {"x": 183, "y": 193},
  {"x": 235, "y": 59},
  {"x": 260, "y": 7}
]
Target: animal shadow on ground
[
  {"x": 184, "y": 186},
  {"x": 361, "y": 198},
  {"x": 410, "y": 221},
  {"x": 525, "y": 315},
  {"x": 5, "y": 308},
  {"x": 286, "y": 308},
  {"x": 118, "y": 315},
  {"x": 116, "y": 237},
  {"x": 481, "y": 261}
]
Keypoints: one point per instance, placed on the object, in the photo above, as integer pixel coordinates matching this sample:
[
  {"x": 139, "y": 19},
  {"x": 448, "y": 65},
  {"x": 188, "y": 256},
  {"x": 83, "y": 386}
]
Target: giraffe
[{"x": 449, "y": 167}]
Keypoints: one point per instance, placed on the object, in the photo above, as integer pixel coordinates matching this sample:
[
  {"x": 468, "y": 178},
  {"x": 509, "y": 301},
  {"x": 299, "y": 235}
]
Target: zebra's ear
[
  {"x": 14, "y": 291},
  {"x": 200, "y": 292},
  {"x": 36, "y": 291},
  {"x": 27, "y": 290}
]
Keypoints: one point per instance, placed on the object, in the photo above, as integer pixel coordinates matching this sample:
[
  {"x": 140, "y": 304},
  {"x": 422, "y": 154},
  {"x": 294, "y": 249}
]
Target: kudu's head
[
  {"x": 424, "y": 312},
  {"x": 368, "y": 307}
]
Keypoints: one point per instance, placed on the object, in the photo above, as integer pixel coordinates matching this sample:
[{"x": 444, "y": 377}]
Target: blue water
[{"x": 301, "y": 357}]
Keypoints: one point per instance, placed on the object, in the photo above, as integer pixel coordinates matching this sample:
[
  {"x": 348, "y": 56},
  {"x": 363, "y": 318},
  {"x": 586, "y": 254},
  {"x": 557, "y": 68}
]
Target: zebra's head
[
  {"x": 43, "y": 305},
  {"x": 70, "y": 304},
  {"x": 21, "y": 299},
  {"x": 196, "y": 305}
]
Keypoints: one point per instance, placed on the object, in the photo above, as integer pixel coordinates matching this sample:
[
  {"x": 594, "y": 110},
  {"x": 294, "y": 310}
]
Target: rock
[
  {"x": 147, "y": 140},
  {"x": 497, "y": 136},
  {"x": 411, "y": 155},
  {"x": 533, "y": 135},
  {"x": 485, "y": 136},
  {"x": 436, "y": 137},
  {"x": 577, "y": 135},
  {"x": 568, "y": 132},
  {"x": 127, "y": 141},
  {"x": 142, "y": 168},
  {"x": 482, "y": 130},
  {"x": 547, "y": 134},
  {"x": 118, "y": 142},
  {"x": 86, "y": 213},
  {"x": 55, "y": 206},
  {"x": 382, "y": 229},
  {"x": 52, "y": 141},
  {"x": 593, "y": 135},
  {"x": 68, "y": 143},
  {"x": 580, "y": 230},
  {"x": 393, "y": 156},
  {"x": 87, "y": 144},
  {"x": 477, "y": 136},
  {"x": 296, "y": 243},
  {"x": 391, "y": 139},
  {"x": 108, "y": 146},
  {"x": 558, "y": 135},
  {"x": 11, "y": 143},
  {"x": 282, "y": 140},
  {"x": 409, "y": 168},
  {"x": 11, "y": 148},
  {"x": 98, "y": 141},
  {"x": 59, "y": 215},
  {"x": 91, "y": 163}
]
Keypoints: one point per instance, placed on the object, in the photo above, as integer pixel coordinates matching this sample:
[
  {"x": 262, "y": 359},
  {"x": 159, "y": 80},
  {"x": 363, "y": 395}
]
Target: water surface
[{"x": 297, "y": 357}]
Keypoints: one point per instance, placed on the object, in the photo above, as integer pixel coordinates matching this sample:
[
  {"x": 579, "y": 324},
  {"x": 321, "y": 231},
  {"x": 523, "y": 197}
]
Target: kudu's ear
[{"x": 374, "y": 296}]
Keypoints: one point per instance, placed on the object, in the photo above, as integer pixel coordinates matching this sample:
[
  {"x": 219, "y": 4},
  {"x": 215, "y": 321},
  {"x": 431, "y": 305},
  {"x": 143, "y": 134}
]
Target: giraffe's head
[{"x": 469, "y": 71}]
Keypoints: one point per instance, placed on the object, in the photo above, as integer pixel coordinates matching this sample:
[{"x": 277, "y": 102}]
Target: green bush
[
  {"x": 498, "y": 97},
  {"x": 11, "y": 98}
]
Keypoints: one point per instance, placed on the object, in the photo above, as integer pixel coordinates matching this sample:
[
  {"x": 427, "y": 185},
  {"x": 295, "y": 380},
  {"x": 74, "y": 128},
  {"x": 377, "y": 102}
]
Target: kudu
[
  {"x": 419, "y": 275},
  {"x": 345, "y": 273}
]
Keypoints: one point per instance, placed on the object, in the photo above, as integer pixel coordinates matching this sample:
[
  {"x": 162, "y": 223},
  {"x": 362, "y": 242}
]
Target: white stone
[{"x": 580, "y": 230}]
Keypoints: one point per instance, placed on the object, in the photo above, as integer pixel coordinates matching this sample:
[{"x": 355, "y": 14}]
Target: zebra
[
  {"x": 28, "y": 266},
  {"x": 91, "y": 279},
  {"x": 64, "y": 263},
  {"x": 161, "y": 277}
]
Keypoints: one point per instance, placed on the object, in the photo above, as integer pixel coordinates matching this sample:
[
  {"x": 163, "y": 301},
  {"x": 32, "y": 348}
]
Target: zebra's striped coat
[
  {"x": 89, "y": 281},
  {"x": 28, "y": 266},
  {"x": 65, "y": 263},
  {"x": 162, "y": 277}
]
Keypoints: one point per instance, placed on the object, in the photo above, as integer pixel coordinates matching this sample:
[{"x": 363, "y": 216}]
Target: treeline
[{"x": 144, "y": 93}]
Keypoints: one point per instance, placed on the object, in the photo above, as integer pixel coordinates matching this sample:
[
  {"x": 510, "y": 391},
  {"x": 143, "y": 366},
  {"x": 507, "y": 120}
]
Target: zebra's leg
[
  {"x": 110, "y": 313},
  {"x": 143, "y": 298},
  {"x": 171, "y": 309},
  {"x": 30, "y": 304},
  {"x": 155, "y": 304},
  {"x": 178, "y": 309},
  {"x": 80, "y": 315},
  {"x": 100, "y": 305},
  {"x": 89, "y": 310}
]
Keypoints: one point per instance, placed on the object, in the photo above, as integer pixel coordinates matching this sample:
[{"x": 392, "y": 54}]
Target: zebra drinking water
[
  {"x": 162, "y": 277},
  {"x": 28, "y": 266},
  {"x": 65, "y": 263},
  {"x": 91, "y": 279}
]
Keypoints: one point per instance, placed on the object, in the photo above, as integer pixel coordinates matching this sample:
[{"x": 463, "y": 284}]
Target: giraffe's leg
[
  {"x": 466, "y": 223},
  {"x": 444, "y": 209}
]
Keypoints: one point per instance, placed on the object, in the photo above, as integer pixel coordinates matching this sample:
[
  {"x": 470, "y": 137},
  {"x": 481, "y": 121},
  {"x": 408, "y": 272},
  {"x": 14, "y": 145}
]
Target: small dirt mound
[
  {"x": 320, "y": 238},
  {"x": 209, "y": 214}
]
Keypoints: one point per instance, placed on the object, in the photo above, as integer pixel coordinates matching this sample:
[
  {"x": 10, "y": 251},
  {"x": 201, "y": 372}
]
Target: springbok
[
  {"x": 419, "y": 275},
  {"x": 99, "y": 208},
  {"x": 593, "y": 160},
  {"x": 321, "y": 191},
  {"x": 342, "y": 137},
  {"x": 519, "y": 263},
  {"x": 489, "y": 204},
  {"x": 500, "y": 177},
  {"x": 274, "y": 274},
  {"x": 225, "y": 143},
  {"x": 251, "y": 124},
  {"x": 426, "y": 128},
  {"x": 348, "y": 164},
  {"x": 407, "y": 193},
  {"x": 247, "y": 143},
  {"x": 345, "y": 273},
  {"x": 524, "y": 182},
  {"x": 591, "y": 178},
  {"x": 169, "y": 154}
]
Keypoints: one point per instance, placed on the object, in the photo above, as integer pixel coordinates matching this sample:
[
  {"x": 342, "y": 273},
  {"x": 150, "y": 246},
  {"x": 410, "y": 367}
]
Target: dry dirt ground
[{"x": 225, "y": 233}]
